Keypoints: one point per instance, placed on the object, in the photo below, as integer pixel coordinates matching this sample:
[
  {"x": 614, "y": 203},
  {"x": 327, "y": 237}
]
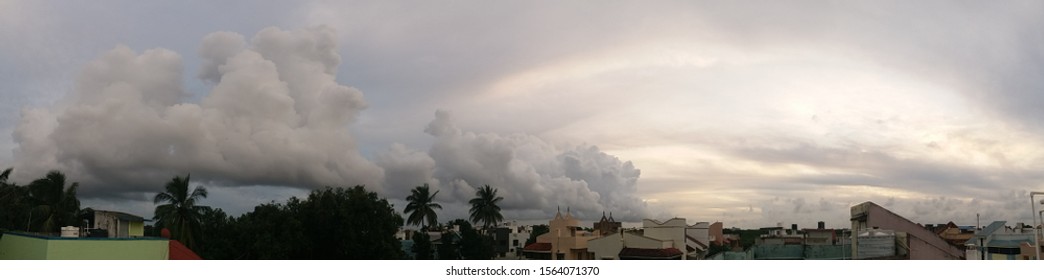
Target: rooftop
[
  {"x": 122, "y": 216},
  {"x": 179, "y": 251},
  {"x": 538, "y": 247},
  {"x": 642, "y": 253}
]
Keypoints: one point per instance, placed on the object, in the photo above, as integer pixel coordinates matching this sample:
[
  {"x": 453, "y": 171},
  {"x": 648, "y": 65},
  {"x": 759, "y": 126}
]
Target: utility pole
[
  {"x": 842, "y": 244},
  {"x": 1036, "y": 232},
  {"x": 978, "y": 229}
]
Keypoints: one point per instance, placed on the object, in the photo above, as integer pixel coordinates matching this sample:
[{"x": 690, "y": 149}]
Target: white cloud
[
  {"x": 529, "y": 172},
  {"x": 276, "y": 115}
]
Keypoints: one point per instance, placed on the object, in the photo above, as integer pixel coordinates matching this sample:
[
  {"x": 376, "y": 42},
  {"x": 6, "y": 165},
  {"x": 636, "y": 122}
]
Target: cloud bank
[
  {"x": 535, "y": 177},
  {"x": 276, "y": 116}
]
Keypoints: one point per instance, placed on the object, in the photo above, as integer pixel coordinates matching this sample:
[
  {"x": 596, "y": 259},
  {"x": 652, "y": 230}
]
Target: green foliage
[
  {"x": 715, "y": 248},
  {"x": 537, "y": 231},
  {"x": 484, "y": 207},
  {"x": 218, "y": 234},
  {"x": 55, "y": 204},
  {"x": 332, "y": 223},
  {"x": 450, "y": 249},
  {"x": 271, "y": 232},
  {"x": 14, "y": 204},
  {"x": 747, "y": 236},
  {"x": 474, "y": 246},
  {"x": 180, "y": 214},
  {"x": 421, "y": 207},
  {"x": 422, "y": 246},
  {"x": 350, "y": 224}
]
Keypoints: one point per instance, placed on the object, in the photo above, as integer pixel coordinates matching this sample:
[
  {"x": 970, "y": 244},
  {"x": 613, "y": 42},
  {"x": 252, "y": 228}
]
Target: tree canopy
[
  {"x": 56, "y": 204},
  {"x": 537, "y": 231},
  {"x": 350, "y": 223},
  {"x": 14, "y": 204},
  {"x": 473, "y": 246},
  {"x": 422, "y": 246},
  {"x": 45, "y": 205},
  {"x": 331, "y": 223}
]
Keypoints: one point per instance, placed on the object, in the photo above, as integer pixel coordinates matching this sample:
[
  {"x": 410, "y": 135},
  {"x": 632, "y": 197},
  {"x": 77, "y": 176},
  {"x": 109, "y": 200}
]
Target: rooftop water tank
[{"x": 70, "y": 232}]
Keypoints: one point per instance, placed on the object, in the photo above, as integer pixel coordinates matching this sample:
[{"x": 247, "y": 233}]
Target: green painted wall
[
  {"x": 20, "y": 247},
  {"x": 729, "y": 255},
  {"x": 778, "y": 252},
  {"x": 799, "y": 252},
  {"x": 136, "y": 229},
  {"x": 17, "y": 247},
  {"x": 108, "y": 249},
  {"x": 827, "y": 252}
]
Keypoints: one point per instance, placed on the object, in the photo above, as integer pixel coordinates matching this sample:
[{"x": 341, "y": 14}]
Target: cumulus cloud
[
  {"x": 274, "y": 116},
  {"x": 405, "y": 168},
  {"x": 530, "y": 173}
]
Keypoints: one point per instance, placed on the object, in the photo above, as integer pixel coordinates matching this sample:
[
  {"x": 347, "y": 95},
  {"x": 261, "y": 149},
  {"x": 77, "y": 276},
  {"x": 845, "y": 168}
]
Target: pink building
[{"x": 922, "y": 243}]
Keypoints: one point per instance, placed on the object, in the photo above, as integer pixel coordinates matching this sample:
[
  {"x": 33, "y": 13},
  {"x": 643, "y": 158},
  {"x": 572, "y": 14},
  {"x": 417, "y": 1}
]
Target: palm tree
[
  {"x": 181, "y": 215},
  {"x": 421, "y": 207},
  {"x": 5, "y": 189},
  {"x": 4, "y": 175},
  {"x": 4, "y": 192},
  {"x": 484, "y": 207},
  {"x": 56, "y": 205}
]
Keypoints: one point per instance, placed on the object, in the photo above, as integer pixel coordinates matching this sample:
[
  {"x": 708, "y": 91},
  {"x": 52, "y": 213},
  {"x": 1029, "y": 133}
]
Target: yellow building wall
[
  {"x": 994, "y": 256},
  {"x": 136, "y": 229}
]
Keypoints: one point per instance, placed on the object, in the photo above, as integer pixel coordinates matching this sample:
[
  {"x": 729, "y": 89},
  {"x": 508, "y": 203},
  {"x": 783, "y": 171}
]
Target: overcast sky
[{"x": 749, "y": 113}]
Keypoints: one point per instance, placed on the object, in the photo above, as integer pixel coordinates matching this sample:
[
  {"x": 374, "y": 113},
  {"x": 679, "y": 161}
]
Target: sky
[{"x": 751, "y": 113}]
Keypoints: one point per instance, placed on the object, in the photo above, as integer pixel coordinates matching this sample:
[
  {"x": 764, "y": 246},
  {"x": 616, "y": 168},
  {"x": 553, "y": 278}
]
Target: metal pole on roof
[
  {"x": 978, "y": 230},
  {"x": 1036, "y": 232},
  {"x": 1040, "y": 214},
  {"x": 982, "y": 248},
  {"x": 854, "y": 235},
  {"x": 842, "y": 244}
]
